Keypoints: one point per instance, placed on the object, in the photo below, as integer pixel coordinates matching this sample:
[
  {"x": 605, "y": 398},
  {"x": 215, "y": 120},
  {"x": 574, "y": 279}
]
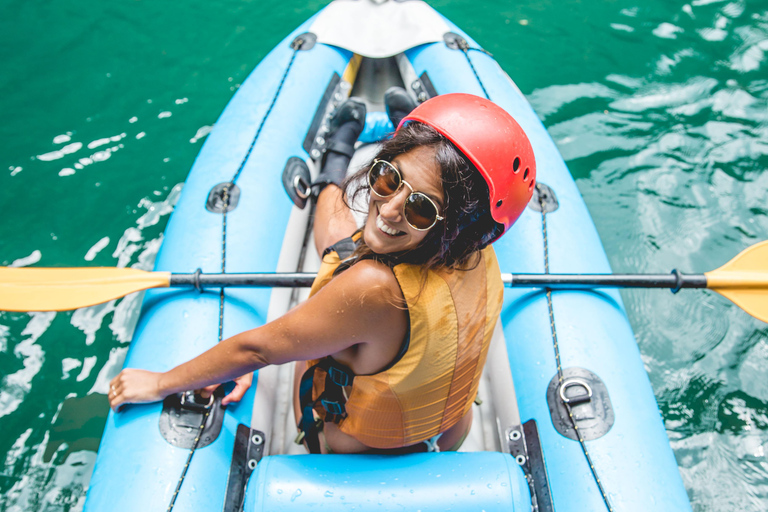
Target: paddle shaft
[
  {"x": 673, "y": 281},
  {"x": 743, "y": 280}
]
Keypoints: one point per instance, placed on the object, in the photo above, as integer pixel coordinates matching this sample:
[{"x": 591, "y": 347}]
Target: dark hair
[{"x": 468, "y": 225}]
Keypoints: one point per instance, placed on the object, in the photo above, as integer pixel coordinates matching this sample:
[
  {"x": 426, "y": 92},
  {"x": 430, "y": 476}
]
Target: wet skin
[{"x": 360, "y": 325}]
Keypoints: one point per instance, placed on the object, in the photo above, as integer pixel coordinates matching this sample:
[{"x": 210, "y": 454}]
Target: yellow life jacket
[{"x": 434, "y": 382}]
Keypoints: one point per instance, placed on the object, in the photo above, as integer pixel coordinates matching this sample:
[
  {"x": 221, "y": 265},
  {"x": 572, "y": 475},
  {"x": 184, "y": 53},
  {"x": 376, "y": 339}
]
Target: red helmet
[{"x": 488, "y": 136}]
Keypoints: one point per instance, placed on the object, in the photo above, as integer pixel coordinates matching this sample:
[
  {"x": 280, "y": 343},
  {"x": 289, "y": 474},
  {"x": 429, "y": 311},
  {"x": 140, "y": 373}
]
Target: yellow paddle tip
[
  {"x": 62, "y": 289},
  {"x": 744, "y": 280}
]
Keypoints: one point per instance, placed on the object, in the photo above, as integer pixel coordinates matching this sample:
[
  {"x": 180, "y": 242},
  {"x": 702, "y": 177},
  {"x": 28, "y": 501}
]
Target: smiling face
[{"x": 386, "y": 231}]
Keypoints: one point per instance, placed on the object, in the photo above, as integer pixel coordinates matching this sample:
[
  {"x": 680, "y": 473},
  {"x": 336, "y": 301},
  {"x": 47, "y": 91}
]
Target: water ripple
[
  {"x": 718, "y": 476},
  {"x": 659, "y": 96},
  {"x": 16, "y": 386},
  {"x": 663, "y": 122}
]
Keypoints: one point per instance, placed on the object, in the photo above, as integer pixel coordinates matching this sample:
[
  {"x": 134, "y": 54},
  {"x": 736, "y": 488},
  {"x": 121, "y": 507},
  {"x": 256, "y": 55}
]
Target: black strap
[
  {"x": 332, "y": 399},
  {"x": 420, "y": 447},
  {"x": 307, "y": 423},
  {"x": 347, "y": 246},
  {"x": 331, "y": 402},
  {"x": 334, "y": 173},
  {"x": 340, "y": 146},
  {"x": 344, "y": 248},
  {"x": 327, "y": 177}
]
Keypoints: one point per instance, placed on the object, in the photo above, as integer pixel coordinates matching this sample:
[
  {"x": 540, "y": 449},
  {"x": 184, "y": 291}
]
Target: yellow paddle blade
[
  {"x": 61, "y": 289},
  {"x": 744, "y": 280}
]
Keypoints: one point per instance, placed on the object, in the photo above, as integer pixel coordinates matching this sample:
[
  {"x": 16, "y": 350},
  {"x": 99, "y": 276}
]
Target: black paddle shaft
[
  {"x": 256, "y": 280},
  {"x": 674, "y": 281}
]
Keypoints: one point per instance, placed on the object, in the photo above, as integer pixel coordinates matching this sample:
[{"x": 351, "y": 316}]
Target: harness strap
[
  {"x": 309, "y": 429},
  {"x": 330, "y": 404},
  {"x": 339, "y": 146},
  {"x": 344, "y": 248}
]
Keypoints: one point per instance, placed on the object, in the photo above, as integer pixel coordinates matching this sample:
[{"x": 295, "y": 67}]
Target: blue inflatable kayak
[{"x": 560, "y": 359}]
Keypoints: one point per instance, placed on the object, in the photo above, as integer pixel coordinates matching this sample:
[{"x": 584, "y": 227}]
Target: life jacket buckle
[
  {"x": 339, "y": 377},
  {"x": 332, "y": 407}
]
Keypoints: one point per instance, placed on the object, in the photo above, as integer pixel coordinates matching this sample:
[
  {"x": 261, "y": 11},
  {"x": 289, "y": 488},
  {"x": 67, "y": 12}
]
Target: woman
[{"x": 391, "y": 343}]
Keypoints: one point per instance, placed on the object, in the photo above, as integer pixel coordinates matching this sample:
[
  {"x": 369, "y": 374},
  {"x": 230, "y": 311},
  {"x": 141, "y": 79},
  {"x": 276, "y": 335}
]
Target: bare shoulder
[
  {"x": 374, "y": 281},
  {"x": 362, "y": 307}
]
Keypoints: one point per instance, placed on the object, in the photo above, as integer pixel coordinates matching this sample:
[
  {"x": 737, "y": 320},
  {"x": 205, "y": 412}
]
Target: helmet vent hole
[
  {"x": 525, "y": 174},
  {"x": 516, "y": 164},
  {"x": 498, "y": 203}
]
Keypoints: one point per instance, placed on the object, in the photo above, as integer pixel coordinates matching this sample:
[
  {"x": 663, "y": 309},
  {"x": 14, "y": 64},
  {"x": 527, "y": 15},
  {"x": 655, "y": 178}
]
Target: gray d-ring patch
[{"x": 589, "y": 401}]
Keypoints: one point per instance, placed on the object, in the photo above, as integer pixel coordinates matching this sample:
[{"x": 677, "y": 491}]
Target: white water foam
[
  {"x": 27, "y": 260},
  {"x": 96, "y": 248},
  {"x": 16, "y": 386}
]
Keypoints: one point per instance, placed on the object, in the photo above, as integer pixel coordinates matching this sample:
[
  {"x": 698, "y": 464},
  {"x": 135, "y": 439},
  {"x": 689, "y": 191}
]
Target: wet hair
[{"x": 468, "y": 225}]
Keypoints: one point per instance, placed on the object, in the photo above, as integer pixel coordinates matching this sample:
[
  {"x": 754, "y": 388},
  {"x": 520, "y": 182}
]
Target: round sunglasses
[{"x": 420, "y": 211}]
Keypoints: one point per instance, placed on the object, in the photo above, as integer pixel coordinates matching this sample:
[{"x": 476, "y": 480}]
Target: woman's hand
[
  {"x": 242, "y": 384},
  {"x": 132, "y": 386}
]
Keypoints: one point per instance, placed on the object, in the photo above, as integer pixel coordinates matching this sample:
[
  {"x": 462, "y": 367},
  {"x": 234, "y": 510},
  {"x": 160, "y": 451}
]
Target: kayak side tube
[
  {"x": 631, "y": 454},
  {"x": 137, "y": 468},
  {"x": 430, "y": 482}
]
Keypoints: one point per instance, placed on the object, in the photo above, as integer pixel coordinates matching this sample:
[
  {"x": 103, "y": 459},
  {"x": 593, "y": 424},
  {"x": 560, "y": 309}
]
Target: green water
[{"x": 659, "y": 107}]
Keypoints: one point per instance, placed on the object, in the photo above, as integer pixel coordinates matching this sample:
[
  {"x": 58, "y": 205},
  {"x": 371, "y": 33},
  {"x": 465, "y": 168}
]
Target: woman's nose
[{"x": 392, "y": 209}]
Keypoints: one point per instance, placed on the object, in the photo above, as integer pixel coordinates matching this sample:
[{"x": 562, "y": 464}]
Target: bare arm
[
  {"x": 333, "y": 222},
  {"x": 333, "y": 219},
  {"x": 359, "y": 307}
]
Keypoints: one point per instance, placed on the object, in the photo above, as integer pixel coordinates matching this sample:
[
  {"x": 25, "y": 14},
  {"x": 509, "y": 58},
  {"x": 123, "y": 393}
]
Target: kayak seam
[
  {"x": 557, "y": 356},
  {"x": 295, "y": 46},
  {"x": 465, "y": 48},
  {"x": 189, "y": 459}
]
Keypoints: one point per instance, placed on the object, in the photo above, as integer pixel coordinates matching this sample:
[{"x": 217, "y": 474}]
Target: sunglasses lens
[
  {"x": 420, "y": 212},
  {"x": 383, "y": 179}
]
